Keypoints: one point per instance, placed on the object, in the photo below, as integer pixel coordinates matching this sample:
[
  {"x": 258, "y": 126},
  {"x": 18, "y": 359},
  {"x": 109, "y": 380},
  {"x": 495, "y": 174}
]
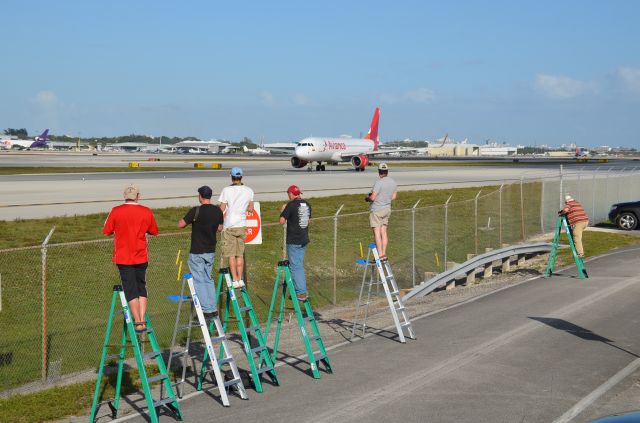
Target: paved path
[{"x": 529, "y": 353}]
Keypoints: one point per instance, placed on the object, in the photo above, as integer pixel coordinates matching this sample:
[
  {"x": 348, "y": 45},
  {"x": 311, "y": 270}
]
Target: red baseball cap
[{"x": 293, "y": 189}]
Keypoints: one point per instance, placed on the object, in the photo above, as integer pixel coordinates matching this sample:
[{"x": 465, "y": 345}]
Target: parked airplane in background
[
  {"x": 255, "y": 151},
  {"x": 38, "y": 142},
  {"x": 335, "y": 150},
  {"x": 581, "y": 152}
]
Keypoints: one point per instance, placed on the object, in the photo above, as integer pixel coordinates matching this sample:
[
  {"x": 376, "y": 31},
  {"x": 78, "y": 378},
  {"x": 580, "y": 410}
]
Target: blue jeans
[
  {"x": 200, "y": 266},
  {"x": 296, "y": 265}
]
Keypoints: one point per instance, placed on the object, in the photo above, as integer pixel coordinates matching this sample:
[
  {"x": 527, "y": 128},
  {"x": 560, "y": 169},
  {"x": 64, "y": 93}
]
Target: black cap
[{"x": 205, "y": 192}]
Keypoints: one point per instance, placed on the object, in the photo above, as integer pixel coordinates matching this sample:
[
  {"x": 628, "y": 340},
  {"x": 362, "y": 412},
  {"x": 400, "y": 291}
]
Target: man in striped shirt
[{"x": 578, "y": 220}]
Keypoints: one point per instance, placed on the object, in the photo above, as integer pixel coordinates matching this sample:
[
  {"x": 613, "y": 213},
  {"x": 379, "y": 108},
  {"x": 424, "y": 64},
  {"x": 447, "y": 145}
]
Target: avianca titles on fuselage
[{"x": 334, "y": 150}]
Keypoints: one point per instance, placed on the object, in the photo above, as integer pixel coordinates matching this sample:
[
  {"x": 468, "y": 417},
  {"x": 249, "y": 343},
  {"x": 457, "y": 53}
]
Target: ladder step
[
  {"x": 150, "y": 355},
  {"x": 218, "y": 339},
  {"x": 157, "y": 378},
  {"x": 405, "y": 325},
  {"x": 178, "y": 354},
  {"x": 258, "y": 349},
  {"x": 317, "y": 356},
  {"x": 243, "y": 309},
  {"x": 401, "y": 308},
  {"x": 232, "y": 382},
  {"x": 111, "y": 357},
  {"x": 315, "y": 338},
  {"x": 253, "y": 328},
  {"x": 264, "y": 370},
  {"x": 394, "y": 292},
  {"x": 162, "y": 402},
  {"x": 309, "y": 318},
  {"x": 225, "y": 361}
]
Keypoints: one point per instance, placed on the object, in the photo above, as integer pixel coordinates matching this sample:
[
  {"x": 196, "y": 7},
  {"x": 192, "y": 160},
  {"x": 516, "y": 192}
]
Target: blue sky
[{"x": 519, "y": 72}]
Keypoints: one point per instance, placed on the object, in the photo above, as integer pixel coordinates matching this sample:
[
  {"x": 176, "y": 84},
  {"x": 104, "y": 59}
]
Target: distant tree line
[{"x": 20, "y": 133}]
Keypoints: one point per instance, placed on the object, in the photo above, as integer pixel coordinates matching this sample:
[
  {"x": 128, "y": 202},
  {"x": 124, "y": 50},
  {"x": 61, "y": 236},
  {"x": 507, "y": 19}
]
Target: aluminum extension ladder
[
  {"x": 315, "y": 357},
  {"x": 259, "y": 352},
  {"x": 386, "y": 278},
  {"x": 216, "y": 364},
  {"x": 128, "y": 331},
  {"x": 562, "y": 223}
]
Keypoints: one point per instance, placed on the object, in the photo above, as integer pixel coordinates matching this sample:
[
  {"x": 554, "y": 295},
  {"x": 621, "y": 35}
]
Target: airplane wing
[{"x": 377, "y": 152}]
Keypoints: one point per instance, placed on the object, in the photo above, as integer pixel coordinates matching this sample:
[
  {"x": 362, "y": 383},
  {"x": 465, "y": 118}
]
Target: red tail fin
[{"x": 373, "y": 129}]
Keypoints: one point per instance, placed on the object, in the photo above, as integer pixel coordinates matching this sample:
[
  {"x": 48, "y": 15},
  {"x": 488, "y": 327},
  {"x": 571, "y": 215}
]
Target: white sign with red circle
[{"x": 254, "y": 226}]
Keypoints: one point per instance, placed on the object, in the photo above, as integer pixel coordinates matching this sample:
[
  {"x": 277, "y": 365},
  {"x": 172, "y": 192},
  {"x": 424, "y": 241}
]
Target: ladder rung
[
  {"x": 405, "y": 325},
  {"x": 309, "y": 318},
  {"x": 394, "y": 292},
  {"x": 111, "y": 357},
  {"x": 150, "y": 355},
  {"x": 218, "y": 339},
  {"x": 315, "y": 338},
  {"x": 401, "y": 308},
  {"x": 317, "y": 356},
  {"x": 264, "y": 370},
  {"x": 157, "y": 378},
  {"x": 178, "y": 354},
  {"x": 258, "y": 348},
  {"x": 253, "y": 328},
  {"x": 232, "y": 382},
  {"x": 225, "y": 361},
  {"x": 243, "y": 309},
  {"x": 164, "y": 401}
]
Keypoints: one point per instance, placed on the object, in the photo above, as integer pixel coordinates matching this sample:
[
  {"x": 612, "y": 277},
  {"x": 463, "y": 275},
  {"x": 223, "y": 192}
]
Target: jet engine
[
  {"x": 359, "y": 162},
  {"x": 297, "y": 163}
]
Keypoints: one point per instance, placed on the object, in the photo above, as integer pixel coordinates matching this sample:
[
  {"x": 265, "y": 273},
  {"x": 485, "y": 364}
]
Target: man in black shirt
[
  {"x": 296, "y": 214},
  {"x": 205, "y": 221}
]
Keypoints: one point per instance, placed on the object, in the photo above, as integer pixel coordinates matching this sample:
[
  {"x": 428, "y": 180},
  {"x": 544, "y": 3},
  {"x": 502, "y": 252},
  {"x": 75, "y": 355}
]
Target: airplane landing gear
[{"x": 320, "y": 167}]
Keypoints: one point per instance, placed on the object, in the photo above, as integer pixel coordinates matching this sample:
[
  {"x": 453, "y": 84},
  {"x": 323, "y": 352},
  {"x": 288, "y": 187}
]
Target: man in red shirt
[
  {"x": 130, "y": 223},
  {"x": 578, "y": 220}
]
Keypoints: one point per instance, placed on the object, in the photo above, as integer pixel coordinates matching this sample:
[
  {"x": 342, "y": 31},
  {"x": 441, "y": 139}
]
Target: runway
[{"x": 29, "y": 196}]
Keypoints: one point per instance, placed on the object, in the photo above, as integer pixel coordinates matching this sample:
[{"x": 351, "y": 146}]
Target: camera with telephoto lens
[{"x": 368, "y": 198}]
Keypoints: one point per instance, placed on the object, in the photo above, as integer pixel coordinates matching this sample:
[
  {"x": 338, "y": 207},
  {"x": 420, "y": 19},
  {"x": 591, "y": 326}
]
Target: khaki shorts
[
  {"x": 379, "y": 218},
  {"x": 233, "y": 242}
]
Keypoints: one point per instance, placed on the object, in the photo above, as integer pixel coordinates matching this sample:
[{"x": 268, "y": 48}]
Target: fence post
[
  {"x": 335, "y": 253},
  {"x": 580, "y": 183},
  {"x": 522, "y": 208},
  {"x": 561, "y": 187},
  {"x": 500, "y": 214},
  {"x": 475, "y": 213},
  {"x": 606, "y": 186},
  {"x": 618, "y": 185},
  {"x": 630, "y": 183},
  {"x": 446, "y": 230},
  {"x": 542, "y": 207},
  {"x": 593, "y": 195},
  {"x": 43, "y": 255},
  {"x": 413, "y": 243}
]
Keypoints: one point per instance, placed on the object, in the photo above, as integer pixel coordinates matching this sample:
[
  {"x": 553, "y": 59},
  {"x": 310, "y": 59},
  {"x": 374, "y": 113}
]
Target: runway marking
[{"x": 598, "y": 392}]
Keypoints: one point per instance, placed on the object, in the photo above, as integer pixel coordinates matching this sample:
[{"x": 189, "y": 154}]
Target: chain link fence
[{"x": 54, "y": 298}]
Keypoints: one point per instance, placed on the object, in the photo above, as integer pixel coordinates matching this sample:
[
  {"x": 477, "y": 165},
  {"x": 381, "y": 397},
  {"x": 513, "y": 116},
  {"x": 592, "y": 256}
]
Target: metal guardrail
[{"x": 471, "y": 265}]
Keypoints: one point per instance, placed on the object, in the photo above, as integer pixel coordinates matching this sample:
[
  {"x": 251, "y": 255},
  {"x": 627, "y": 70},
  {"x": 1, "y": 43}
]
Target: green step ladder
[
  {"x": 128, "y": 331},
  {"x": 562, "y": 223},
  {"x": 283, "y": 278},
  {"x": 259, "y": 353}
]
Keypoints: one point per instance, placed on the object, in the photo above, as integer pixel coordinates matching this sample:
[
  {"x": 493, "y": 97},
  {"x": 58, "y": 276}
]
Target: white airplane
[
  {"x": 335, "y": 150},
  {"x": 38, "y": 142},
  {"x": 255, "y": 151}
]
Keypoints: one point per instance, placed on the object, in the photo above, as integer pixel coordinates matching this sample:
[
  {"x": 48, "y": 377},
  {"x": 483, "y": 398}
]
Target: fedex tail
[{"x": 38, "y": 142}]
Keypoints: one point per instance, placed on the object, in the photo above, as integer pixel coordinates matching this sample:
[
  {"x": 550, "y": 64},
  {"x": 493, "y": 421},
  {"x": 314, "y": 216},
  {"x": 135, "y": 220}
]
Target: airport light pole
[
  {"x": 446, "y": 230},
  {"x": 335, "y": 253},
  {"x": 475, "y": 213},
  {"x": 413, "y": 243}
]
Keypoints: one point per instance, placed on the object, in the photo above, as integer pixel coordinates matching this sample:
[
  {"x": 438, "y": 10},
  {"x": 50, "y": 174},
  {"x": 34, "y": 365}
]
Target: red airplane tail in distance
[{"x": 373, "y": 129}]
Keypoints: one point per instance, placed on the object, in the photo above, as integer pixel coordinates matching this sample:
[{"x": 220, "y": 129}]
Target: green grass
[{"x": 80, "y": 276}]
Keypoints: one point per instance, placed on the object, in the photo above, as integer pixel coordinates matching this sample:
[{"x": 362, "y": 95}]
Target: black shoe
[{"x": 211, "y": 315}]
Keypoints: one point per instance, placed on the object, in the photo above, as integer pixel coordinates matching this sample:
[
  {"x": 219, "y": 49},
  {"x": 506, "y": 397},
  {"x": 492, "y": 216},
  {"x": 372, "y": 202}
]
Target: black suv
[{"x": 625, "y": 215}]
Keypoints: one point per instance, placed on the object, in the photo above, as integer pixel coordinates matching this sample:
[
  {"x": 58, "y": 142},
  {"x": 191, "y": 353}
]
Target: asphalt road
[
  {"x": 45, "y": 195},
  {"x": 528, "y": 353}
]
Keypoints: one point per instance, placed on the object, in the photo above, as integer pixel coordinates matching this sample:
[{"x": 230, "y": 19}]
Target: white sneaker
[{"x": 238, "y": 284}]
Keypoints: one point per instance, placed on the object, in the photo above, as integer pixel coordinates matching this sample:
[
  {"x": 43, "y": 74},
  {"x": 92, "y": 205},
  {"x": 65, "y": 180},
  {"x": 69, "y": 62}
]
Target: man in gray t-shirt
[{"x": 383, "y": 193}]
